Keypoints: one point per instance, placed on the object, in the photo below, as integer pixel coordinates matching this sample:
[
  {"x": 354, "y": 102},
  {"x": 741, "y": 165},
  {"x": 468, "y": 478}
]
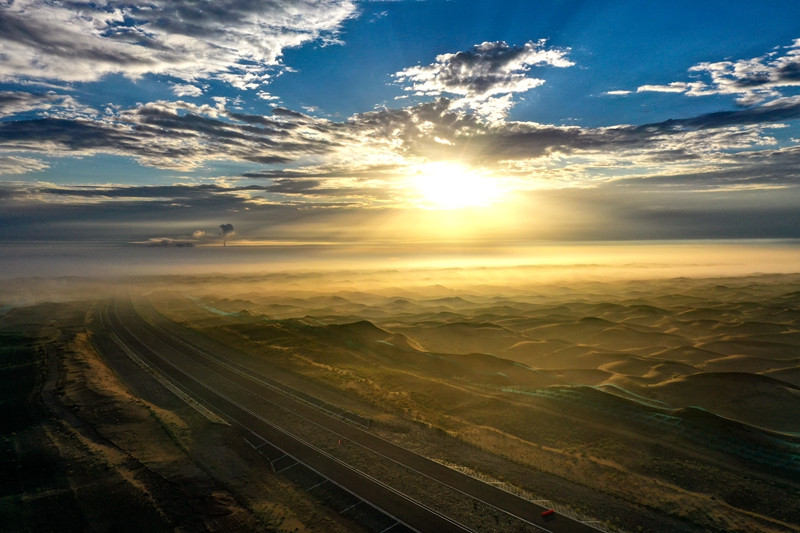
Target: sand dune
[
  {"x": 755, "y": 328},
  {"x": 684, "y": 342},
  {"x": 585, "y": 376},
  {"x": 787, "y": 337},
  {"x": 789, "y": 375},
  {"x": 656, "y": 391},
  {"x": 698, "y": 315},
  {"x": 729, "y": 346},
  {"x": 363, "y": 330},
  {"x": 629, "y": 366},
  {"x": 577, "y": 332},
  {"x": 666, "y": 371},
  {"x": 463, "y": 337},
  {"x": 744, "y": 363},
  {"x": 686, "y": 354},
  {"x": 622, "y": 337},
  {"x": 786, "y": 316},
  {"x": 751, "y": 398},
  {"x": 529, "y": 350},
  {"x": 401, "y": 341}
]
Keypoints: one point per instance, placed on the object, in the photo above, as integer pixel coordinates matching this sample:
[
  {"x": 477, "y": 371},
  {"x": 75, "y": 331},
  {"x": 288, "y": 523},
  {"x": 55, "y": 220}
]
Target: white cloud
[
  {"x": 220, "y": 101},
  {"x": 485, "y": 76},
  {"x": 752, "y": 81},
  {"x": 264, "y": 95},
  {"x": 675, "y": 87},
  {"x": 231, "y": 40},
  {"x": 20, "y": 165},
  {"x": 186, "y": 89}
]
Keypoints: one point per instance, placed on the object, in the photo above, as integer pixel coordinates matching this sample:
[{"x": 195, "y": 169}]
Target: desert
[{"x": 631, "y": 405}]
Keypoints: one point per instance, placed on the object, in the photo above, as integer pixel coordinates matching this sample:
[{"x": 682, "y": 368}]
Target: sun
[{"x": 453, "y": 186}]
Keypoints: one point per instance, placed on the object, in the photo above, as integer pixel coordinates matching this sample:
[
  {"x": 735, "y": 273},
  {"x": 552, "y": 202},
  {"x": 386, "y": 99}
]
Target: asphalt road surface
[{"x": 237, "y": 393}]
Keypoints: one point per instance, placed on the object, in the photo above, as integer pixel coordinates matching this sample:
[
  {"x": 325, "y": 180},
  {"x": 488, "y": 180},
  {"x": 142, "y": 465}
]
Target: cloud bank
[
  {"x": 184, "y": 136},
  {"x": 237, "y": 41}
]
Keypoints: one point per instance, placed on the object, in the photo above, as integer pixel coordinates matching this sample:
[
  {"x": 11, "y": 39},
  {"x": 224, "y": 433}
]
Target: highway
[{"x": 238, "y": 394}]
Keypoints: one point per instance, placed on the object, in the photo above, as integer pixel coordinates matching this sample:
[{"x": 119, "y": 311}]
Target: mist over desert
[{"x": 631, "y": 404}]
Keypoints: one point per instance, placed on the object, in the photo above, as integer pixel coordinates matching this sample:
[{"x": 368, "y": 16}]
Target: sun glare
[{"x": 452, "y": 186}]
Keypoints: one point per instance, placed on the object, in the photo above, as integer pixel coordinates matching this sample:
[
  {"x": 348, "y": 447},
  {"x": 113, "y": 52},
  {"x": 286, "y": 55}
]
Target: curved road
[{"x": 195, "y": 368}]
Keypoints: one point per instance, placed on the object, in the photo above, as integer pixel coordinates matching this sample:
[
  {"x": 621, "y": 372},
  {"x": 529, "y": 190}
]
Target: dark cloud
[
  {"x": 182, "y": 135},
  {"x": 617, "y": 210},
  {"x": 14, "y": 102},
  {"x": 168, "y": 135},
  {"x": 130, "y": 214},
  {"x": 677, "y": 222},
  {"x": 175, "y": 193},
  {"x": 195, "y": 196},
  {"x": 611, "y": 213},
  {"x": 283, "y": 112},
  {"x": 325, "y": 171},
  {"x": 329, "y": 192},
  {"x": 774, "y": 111},
  {"x": 293, "y": 186},
  {"x": 165, "y": 242},
  {"x": 748, "y": 169},
  {"x": 72, "y": 135}
]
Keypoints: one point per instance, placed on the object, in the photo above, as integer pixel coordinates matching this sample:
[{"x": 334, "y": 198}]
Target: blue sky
[{"x": 345, "y": 121}]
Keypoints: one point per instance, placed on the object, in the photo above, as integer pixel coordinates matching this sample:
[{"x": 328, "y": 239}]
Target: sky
[{"x": 397, "y": 124}]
